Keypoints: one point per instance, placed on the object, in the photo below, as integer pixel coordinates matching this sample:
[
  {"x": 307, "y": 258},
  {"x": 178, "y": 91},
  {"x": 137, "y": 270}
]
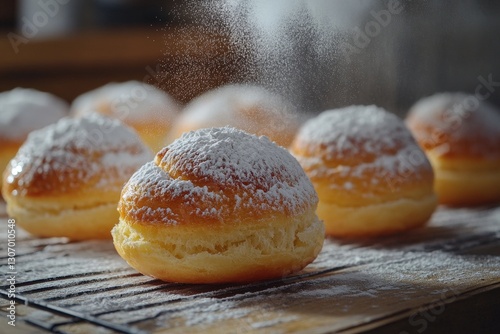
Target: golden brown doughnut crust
[
  {"x": 363, "y": 158},
  {"x": 224, "y": 201},
  {"x": 461, "y": 137},
  {"x": 66, "y": 178},
  {"x": 22, "y": 111},
  {"x": 8, "y": 151},
  {"x": 147, "y": 109},
  {"x": 246, "y": 107},
  {"x": 456, "y": 126}
]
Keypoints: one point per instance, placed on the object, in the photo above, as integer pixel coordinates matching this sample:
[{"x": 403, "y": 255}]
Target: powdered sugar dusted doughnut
[
  {"x": 246, "y": 107},
  {"x": 66, "y": 178},
  {"x": 147, "y": 109},
  {"x": 461, "y": 137},
  {"x": 22, "y": 111},
  {"x": 219, "y": 205},
  {"x": 370, "y": 175}
]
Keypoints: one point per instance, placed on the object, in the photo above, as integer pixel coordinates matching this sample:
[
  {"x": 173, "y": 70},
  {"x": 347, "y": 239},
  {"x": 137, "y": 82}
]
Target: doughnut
[
  {"x": 66, "y": 179},
  {"x": 246, "y": 107},
  {"x": 461, "y": 137},
  {"x": 371, "y": 177},
  {"x": 22, "y": 111},
  {"x": 147, "y": 109},
  {"x": 219, "y": 205}
]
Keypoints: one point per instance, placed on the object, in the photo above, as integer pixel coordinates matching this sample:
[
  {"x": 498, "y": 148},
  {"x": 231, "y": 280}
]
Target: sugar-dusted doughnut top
[
  {"x": 217, "y": 175},
  {"x": 251, "y": 108},
  {"x": 354, "y": 134},
  {"x": 24, "y": 110},
  {"x": 132, "y": 102},
  {"x": 74, "y": 155},
  {"x": 456, "y": 125},
  {"x": 360, "y": 147}
]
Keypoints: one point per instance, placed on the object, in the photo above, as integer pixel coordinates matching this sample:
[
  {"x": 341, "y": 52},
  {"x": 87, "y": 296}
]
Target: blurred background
[
  {"x": 68, "y": 47},
  {"x": 320, "y": 54}
]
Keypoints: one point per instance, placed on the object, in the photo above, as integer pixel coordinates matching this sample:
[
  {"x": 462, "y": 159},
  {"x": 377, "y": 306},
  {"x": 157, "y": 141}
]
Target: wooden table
[{"x": 442, "y": 278}]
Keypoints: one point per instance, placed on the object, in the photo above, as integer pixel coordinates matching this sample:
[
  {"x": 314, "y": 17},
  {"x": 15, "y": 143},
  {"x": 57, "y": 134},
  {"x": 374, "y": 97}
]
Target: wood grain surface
[{"x": 444, "y": 277}]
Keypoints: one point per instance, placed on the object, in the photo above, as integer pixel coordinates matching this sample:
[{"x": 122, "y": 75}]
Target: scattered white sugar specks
[
  {"x": 332, "y": 291},
  {"x": 273, "y": 322},
  {"x": 439, "y": 267},
  {"x": 219, "y": 310},
  {"x": 289, "y": 45},
  {"x": 348, "y": 186}
]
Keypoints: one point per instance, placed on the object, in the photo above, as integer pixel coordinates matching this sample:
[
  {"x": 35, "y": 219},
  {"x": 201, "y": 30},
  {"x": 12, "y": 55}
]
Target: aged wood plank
[{"x": 333, "y": 303}]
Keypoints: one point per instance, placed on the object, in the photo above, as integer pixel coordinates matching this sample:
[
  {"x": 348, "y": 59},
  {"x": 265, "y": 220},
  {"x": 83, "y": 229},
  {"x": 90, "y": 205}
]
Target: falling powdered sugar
[{"x": 295, "y": 47}]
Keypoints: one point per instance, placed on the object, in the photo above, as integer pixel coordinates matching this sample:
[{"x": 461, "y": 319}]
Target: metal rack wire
[{"x": 126, "y": 294}]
